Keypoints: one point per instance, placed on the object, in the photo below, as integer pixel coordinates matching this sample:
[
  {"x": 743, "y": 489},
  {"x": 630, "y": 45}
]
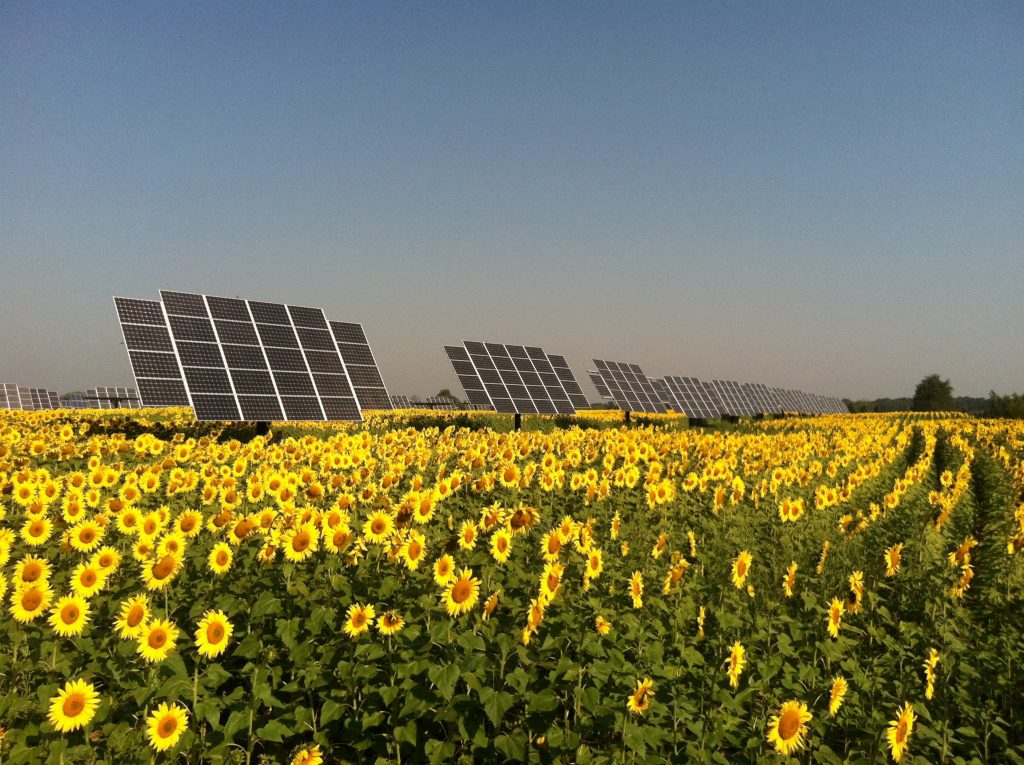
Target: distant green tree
[
  {"x": 933, "y": 394},
  {"x": 1006, "y": 406}
]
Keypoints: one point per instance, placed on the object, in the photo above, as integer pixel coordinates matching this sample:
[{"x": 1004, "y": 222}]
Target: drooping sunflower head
[{"x": 639, "y": 700}]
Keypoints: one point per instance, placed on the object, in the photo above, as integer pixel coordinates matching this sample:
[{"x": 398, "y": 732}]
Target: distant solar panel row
[
  {"x": 112, "y": 398},
  {"x": 629, "y": 387},
  {"x": 515, "y": 378},
  {"x": 27, "y": 399}
]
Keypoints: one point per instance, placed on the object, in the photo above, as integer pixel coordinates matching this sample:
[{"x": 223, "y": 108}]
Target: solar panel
[
  {"x": 518, "y": 379},
  {"x": 442, "y": 403},
  {"x": 602, "y": 389},
  {"x": 693, "y": 397},
  {"x": 629, "y": 387},
  {"x": 568, "y": 380},
  {"x": 359, "y": 362},
  {"x": 255, "y": 361},
  {"x": 734, "y": 400},
  {"x": 9, "y": 397},
  {"x": 468, "y": 377},
  {"x": 756, "y": 398},
  {"x": 151, "y": 353},
  {"x": 664, "y": 395},
  {"x": 400, "y": 402}
]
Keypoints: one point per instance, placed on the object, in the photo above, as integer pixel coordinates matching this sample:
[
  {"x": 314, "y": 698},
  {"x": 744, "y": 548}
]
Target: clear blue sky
[{"x": 820, "y": 195}]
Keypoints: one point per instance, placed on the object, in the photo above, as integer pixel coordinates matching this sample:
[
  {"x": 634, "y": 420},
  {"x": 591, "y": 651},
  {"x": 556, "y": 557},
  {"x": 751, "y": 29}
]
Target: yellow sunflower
[
  {"x": 220, "y": 558},
  {"x": 156, "y": 640},
  {"x": 639, "y": 700},
  {"x": 636, "y": 589},
  {"x": 73, "y": 706},
  {"x": 359, "y": 619},
  {"x": 551, "y": 581},
  {"x": 308, "y": 756},
  {"x": 444, "y": 570},
  {"x": 300, "y": 542},
  {"x": 165, "y": 725},
  {"x": 31, "y": 570},
  {"x": 29, "y": 601},
  {"x": 85, "y": 536},
  {"x": 467, "y": 535},
  {"x": 602, "y": 625},
  {"x": 161, "y": 572},
  {"x": 462, "y": 593},
  {"x": 787, "y": 729},
  {"x": 790, "y": 580},
  {"x": 892, "y": 559},
  {"x": 69, "y": 615},
  {"x": 213, "y": 633},
  {"x": 491, "y": 605},
  {"x": 413, "y": 550},
  {"x": 737, "y": 661},
  {"x": 740, "y": 569},
  {"x": 899, "y": 731},
  {"x": 390, "y": 623},
  {"x": 133, "y": 617},
  {"x": 837, "y": 694},
  {"x": 501, "y": 545},
  {"x": 835, "y": 617},
  {"x": 379, "y": 527}
]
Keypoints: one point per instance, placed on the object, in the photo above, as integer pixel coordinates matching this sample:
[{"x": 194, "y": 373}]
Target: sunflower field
[{"x": 427, "y": 588}]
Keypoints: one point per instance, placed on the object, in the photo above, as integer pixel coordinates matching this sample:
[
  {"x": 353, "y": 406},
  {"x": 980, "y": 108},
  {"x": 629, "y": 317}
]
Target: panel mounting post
[
  {"x": 627, "y": 418},
  {"x": 517, "y": 421}
]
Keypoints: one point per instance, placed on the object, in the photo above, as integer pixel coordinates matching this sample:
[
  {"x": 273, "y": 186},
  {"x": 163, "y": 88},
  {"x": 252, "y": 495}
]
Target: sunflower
[
  {"x": 835, "y": 617},
  {"x": 602, "y": 625},
  {"x": 892, "y": 559},
  {"x": 87, "y": 580},
  {"x": 85, "y": 536},
  {"x": 444, "y": 570},
  {"x": 701, "y": 615},
  {"x": 740, "y": 568},
  {"x": 213, "y": 633},
  {"x": 551, "y": 581},
  {"x": 737, "y": 661},
  {"x": 899, "y": 731},
  {"x": 161, "y": 572},
  {"x": 595, "y": 564},
  {"x": 413, "y": 550},
  {"x": 106, "y": 559},
  {"x": 837, "y": 694},
  {"x": 309, "y": 756},
  {"x": 69, "y": 616},
  {"x": 616, "y": 524},
  {"x": 636, "y": 589},
  {"x": 462, "y": 593},
  {"x": 133, "y": 617},
  {"x": 300, "y": 542},
  {"x": 165, "y": 726},
  {"x": 30, "y": 570},
  {"x": 551, "y": 545},
  {"x": 787, "y": 729},
  {"x": 220, "y": 558},
  {"x": 790, "y": 581},
  {"x": 379, "y": 527},
  {"x": 390, "y": 623},
  {"x": 36, "y": 531},
  {"x": 491, "y": 605},
  {"x": 639, "y": 700},
  {"x": 467, "y": 535},
  {"x": 73, "y": 706},
  {"x": 156, "y": 640},
  {"x": 29, "y": 601},
  {"x": 359, "y": 619},
  {"x": 929, "y": 673},
  {"x": 501, "y": 545}
]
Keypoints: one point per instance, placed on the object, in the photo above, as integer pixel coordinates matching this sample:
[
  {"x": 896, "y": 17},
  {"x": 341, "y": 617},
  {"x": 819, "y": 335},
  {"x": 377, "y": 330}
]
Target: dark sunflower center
[
  {"x": 215, "y": 632},
  {"x": 135, "y": 615},
  {"x": 461, "y": 591},
  {"x": 157, "y": 638},
  {"x": 167, "y": 727},
  {"x": 69, "y": 615},
  {"x": 30, "y": 600},
  {"x": 301, "y": 542},
  {"x": 789, "y": 724},
  {"x": 73, "y": 705}
]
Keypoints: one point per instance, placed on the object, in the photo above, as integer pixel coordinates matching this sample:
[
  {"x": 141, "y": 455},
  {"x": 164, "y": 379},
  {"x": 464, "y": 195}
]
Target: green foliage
[{"x": 933, "y": 394}]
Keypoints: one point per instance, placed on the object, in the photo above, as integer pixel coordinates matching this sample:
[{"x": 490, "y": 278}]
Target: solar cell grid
[
  {"x": 629, "y": 387},
  {"x": 349, "y": 339},
  {"x": 155, "y": 365},
  {"x": 515, "y": 378}
]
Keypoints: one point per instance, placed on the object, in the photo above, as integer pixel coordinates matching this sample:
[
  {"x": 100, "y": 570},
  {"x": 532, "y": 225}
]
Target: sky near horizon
[{"x": 824, "y": 196}]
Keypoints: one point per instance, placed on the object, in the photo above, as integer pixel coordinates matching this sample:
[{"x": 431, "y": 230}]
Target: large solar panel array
[
  {"x": 361, "y": 365},
  {"x": 568, "y": 380},
  {"x": 693, "y": 397},
  {"x": 602, "y": 389},
  {"x": 151, "y": 352},
  {"x": 664, "y": 394},
  {"x": 516, "y": 379},
  {"x": 255, "y": 361},
  {"x": 629, "y": 387}
]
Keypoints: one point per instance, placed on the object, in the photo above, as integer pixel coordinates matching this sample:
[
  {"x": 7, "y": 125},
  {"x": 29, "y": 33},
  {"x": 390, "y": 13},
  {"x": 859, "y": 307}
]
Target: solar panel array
[
  {"x": 693, "y": 398},
  {"x": 151, "y": 352},
  {"x": 602, "y": 389},
  {"x": 438, "y": 402},
  {"x": 27, "y": 399},
  {"x": 568, "y": 380},
  {"x": 256, "y": 361},
  {"x": 400, "y": 402},
  {"x": 629, "y": 387},
  {"x": 516, "y": 379},
  {"x": 664, "y": 394},
  {"x": 112, "y": 398},
  {"x": 360, "y": 365}
]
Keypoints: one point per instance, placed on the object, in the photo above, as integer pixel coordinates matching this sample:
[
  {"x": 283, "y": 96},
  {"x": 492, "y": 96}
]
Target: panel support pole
[{"x": 517, "y": 421}]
